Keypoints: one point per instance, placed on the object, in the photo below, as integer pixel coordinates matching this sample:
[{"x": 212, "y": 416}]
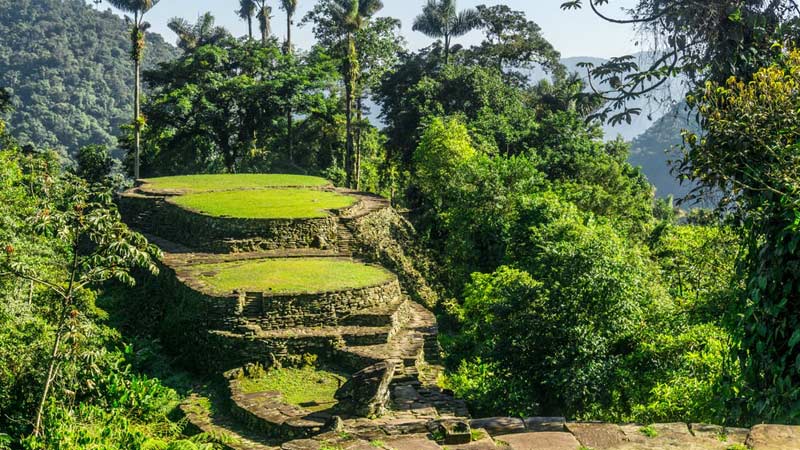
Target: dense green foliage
[
  {"x": 222, "y": 108},
  {"x": 749, "y": 153},
  {"x": 570, "y": 289},
  {"x": 67, "y": 68},
  {"x": 61, "y": 238}
]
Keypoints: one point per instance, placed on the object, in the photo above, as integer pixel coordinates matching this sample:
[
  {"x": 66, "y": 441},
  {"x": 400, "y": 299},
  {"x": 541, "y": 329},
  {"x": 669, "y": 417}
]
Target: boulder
[{"x": 366, "y": 393}]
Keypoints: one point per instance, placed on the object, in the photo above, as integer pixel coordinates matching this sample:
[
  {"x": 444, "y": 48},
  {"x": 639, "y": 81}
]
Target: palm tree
[
  {"x": 351, "y": 16},
  {"x": 190, "y": 37},
  {"x": 264, "y": 15},
  {"x": 290, "y": 6},
  {"x": 441, "y": 19},
  {"x": 246, "y": 11},
  {"x": 138, "y": 27}
]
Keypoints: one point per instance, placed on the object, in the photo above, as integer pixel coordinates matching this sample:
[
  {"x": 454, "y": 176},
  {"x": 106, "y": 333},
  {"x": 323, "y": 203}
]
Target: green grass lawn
[
  {"x": 308, "y": 387},
  {"x": 289, "y": 275},
  {"x": 265, "y": 204},
  {"x": 221, "y": 182}
]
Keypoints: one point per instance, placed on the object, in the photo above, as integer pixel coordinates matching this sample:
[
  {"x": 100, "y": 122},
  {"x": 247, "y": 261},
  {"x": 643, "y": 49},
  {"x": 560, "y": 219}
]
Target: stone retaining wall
[
  {"x": 159, "y": 216},
  {"x": 275, "y": 312},
  {"x": 267, "y": 413},
  {"x": 217, "y": 333}
]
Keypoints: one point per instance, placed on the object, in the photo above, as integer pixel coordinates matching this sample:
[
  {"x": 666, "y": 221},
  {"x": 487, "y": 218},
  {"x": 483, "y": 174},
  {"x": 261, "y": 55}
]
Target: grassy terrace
[
  {"x": 265, "y": 204},
  {"x": 289, "y": 275},
  {"x": 308, "y": 387},
  {"x": 204, "y": 183}
]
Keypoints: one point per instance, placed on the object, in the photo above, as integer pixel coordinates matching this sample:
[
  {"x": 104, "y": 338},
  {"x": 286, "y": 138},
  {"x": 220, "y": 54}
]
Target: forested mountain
[
  {"x": 68, "y": 68},
  {"x": 654, "y": 133},
  {"x": 654, "y": 150}
]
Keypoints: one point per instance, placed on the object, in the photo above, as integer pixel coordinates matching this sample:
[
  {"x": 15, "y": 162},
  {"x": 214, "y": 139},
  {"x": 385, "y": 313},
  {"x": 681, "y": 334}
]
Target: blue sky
[{"x": 574, "y": 33}]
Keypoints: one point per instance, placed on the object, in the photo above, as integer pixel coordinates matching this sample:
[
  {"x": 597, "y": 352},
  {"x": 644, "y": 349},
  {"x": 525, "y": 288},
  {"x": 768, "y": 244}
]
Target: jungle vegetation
[{"x": 569, "y": 288}]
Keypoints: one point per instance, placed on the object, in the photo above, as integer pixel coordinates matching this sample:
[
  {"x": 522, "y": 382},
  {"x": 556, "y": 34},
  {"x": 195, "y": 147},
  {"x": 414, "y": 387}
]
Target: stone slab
[
  {"x": 485, "y": 444},
  {"x": 774, "y": 437},
  {"x": 411, "y": 443},
  {"x": 544, "y": 423},
  {"x": 544, "y": 440},
  {"x": 599, "y": 436},
  {"x": 716, "y": 433},
  {"x": 498, "y": 426}
]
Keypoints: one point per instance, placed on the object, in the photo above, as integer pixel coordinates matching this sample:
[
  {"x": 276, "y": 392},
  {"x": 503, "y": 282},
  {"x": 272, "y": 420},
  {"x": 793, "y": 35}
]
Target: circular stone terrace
[
  {"x": 241, "y": 212},
  {"x": 288, "y": 275}
]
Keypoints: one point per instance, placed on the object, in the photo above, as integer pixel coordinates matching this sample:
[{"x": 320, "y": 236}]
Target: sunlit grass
[
  {"x": 265, "y": 204},
  {"x": 308, "y": 387},
  {"x": 290, "y": 275}
]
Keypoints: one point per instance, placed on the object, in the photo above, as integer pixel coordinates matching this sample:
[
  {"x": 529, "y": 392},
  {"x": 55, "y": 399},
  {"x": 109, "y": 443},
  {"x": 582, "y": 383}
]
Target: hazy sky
[{"x": 574, "y": 33}]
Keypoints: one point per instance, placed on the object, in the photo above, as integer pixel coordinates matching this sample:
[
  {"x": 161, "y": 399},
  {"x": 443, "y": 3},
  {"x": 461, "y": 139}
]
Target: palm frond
[
  {"x": 465, "y": 21},
  {"x": 429, "y": 24},
  {"x": 290, "y": 6},
  {"x": 247, "y": 9},
  {"x": 133, "y": 6}
]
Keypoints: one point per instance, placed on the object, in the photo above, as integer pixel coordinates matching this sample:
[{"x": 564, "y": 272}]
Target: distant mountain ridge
[
  {"x": 655, "y": 133},
  {"x": 68, "y": 68}
]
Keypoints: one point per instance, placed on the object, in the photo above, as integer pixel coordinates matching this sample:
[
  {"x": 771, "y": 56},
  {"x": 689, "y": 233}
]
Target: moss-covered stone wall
[
  {"x": 386, "y": 238},
  {"x": 157, "y": 215}
]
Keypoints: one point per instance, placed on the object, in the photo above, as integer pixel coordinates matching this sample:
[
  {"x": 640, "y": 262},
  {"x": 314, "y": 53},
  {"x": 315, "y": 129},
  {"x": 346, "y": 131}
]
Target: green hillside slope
[
  {"x": 654, "y": 149},
  {"x": 68, "y": 68}
]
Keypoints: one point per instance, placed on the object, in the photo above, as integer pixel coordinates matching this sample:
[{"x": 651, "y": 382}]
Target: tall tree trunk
[
  {"x": 288, "y": 33},
  {"x": 51, "y": 369},
  {"x": 446, "y": 49},
  {"x": 359, "y": 118},
  {"x": 350, "y": 88},
  {"x": 62, "y": 321},
  {"x": 288, "y": 50},
  {"x": 138, "y": 44},
  {"x": 263, "y": 25},
  {"x": 250, "y": 27},
  {"x": 136, "y": 118}
]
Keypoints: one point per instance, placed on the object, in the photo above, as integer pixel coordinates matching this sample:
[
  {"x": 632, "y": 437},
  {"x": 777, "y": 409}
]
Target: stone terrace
[{"x": 353, "y": 328}]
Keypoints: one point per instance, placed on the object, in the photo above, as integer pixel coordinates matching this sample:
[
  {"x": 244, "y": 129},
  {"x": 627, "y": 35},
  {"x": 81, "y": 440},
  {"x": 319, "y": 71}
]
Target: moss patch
[
  {"x": 309, "y": 387},
  {"x": 265, "y": 204},
  {"x": 203, "y": 183},
  {"x": 290, "y": 275}
]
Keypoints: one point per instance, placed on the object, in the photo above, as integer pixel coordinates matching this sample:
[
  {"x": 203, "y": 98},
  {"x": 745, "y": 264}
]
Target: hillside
[
  {"x": 69, "y": 72},
  {"x": 655, "y": 148},
  {"x": 653, "y": 134}
]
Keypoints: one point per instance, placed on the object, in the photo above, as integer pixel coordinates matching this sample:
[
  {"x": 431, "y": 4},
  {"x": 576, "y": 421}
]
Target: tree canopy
[{"x": 65, "y": 66}]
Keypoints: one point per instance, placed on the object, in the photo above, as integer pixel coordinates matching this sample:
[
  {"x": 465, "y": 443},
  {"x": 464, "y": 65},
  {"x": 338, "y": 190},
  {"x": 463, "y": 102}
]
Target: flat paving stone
[
  {"x": 484, "y": 444},
  {"x": 669, "y": 436},
  {"x": 544, "y": 440},
  {"x": 498, "y": 426},
  {"x": 599, "y": 436},
  {"x": 544, "y": 423},
  {"x": 410, "y": 443},
  {"x": 716, "y": 433},
  {"x": 774, "y": 437}
]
